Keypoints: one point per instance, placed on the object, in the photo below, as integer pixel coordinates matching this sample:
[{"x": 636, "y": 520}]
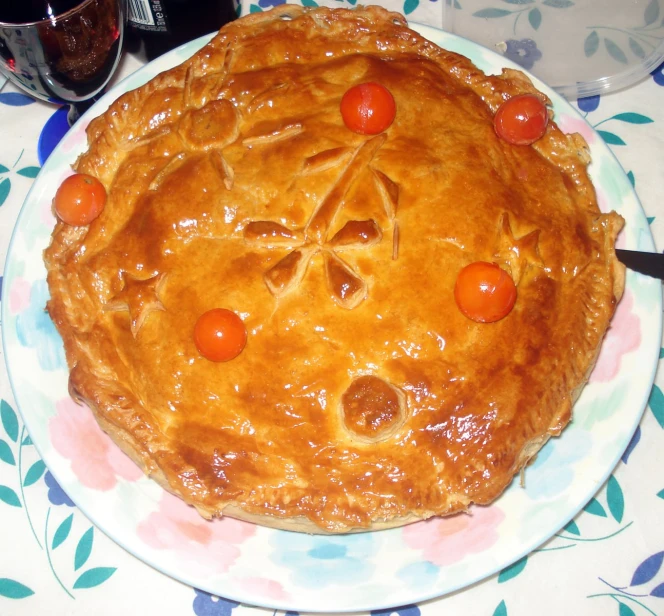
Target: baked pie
[{"x": 364, "y": 398}]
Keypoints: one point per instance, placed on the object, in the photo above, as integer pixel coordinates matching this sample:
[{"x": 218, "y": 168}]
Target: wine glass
[{"x": 62, "y": 51}]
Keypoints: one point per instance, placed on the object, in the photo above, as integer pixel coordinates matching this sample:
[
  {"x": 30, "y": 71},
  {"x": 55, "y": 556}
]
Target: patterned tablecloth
[{"x": 609, "y": 560}]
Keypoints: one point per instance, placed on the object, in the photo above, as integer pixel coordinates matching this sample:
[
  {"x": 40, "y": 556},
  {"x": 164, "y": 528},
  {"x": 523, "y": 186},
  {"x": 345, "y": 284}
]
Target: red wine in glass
[{"x": 62, "y": 51}]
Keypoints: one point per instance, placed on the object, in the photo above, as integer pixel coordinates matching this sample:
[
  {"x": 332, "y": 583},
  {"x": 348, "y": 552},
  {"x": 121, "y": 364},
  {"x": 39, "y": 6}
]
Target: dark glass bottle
[{"x": 161, "y": 25}]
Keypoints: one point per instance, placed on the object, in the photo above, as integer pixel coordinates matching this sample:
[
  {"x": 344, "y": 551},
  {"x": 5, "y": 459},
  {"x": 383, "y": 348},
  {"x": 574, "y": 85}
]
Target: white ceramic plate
[{"x": 283, "y": 570}]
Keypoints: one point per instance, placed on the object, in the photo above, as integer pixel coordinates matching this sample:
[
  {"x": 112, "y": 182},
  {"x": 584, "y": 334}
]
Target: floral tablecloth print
[{"x": 608, "y": 560}]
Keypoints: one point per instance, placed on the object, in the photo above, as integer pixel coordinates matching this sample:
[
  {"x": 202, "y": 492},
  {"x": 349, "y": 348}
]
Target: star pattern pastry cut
[
  {"x": 347, "y": 287},
  {"x": 139, "y": 298},
  {"x": 517, "y": 253}
]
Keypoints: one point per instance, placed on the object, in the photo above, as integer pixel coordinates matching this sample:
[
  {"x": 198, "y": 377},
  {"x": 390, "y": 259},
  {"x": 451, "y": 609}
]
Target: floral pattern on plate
[
  {"x": 203, "y": 545},
  {"x": 276, "y": 568},
  {"x": 95, "y": 460}
]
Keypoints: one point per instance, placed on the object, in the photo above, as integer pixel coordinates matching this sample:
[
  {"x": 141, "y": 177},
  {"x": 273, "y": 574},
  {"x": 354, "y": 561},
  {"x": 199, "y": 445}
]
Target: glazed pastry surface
[{"x": 364, "y": 398}]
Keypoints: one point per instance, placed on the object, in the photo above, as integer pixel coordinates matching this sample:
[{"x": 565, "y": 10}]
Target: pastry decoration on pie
[{"x": 363, "y": 398}]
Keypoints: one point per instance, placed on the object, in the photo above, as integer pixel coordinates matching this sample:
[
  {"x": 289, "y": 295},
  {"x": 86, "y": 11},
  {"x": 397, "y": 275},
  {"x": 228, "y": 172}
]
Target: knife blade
[{"x": 648, "y": 263}]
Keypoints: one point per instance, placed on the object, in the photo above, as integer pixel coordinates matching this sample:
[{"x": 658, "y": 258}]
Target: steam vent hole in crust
[{"x": 372, "y": 409}]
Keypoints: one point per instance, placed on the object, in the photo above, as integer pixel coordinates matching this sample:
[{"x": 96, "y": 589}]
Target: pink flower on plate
[
  {"x": 19, "y": 295},
  {"x": 264, "y": 588},
  {"x": 444, "y": 541},
  {"x": 206, "y": 545},
  {"x": 46, "y": 213},
  {"x": 76, "y": 138},
  {"x": 569, "y": 124},
  {"x": 624, "y": 335},
  {"x": 95, "y": 459}
]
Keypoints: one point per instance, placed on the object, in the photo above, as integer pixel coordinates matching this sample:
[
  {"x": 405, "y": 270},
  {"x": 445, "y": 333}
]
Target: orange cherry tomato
[
  {"x": 368, "y": 108},
  {"x": 484, "y": 292},
  {"x": 521, "y": 120},
  {"x": 220, "y": 334},
  {"x": 79, "y": 199}
]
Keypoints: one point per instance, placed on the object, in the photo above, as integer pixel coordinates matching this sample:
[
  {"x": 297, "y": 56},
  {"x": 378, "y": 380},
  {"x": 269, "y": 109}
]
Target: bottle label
[{"x": 148, "y": 15}]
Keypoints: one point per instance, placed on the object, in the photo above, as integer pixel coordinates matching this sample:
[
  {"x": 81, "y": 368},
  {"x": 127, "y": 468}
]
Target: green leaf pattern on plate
[
  {"x": 651, "y": 14},
  {"x": 9, "y": 420},
  {"x": 13, "y": 589},
  {"x": 409, "y": 6},
  {"x": 62, "y": 532},
  {"x": 610, "y": 138},
  {"x": 594, "y": 507},
  {"x": 572, "y": 528},
  {"x": 618, "y": 42},
  {"x": 5, "y": 187},
  {"x": 94, "y": 577},
  {"x": 5, "y": 182},
  {"x": 34, "y": 473},
  {"x": 29, "y": 172},
  {"x": 632, "y": 118},
  {"x": 535, "y": 18},
  {"x": 615, "y": 499},
  {"x": 639, "y": 40},
  {"x": 6, "y": 454},
  {"x": 513, "y": 570},
  {"x": 9, "y": 496},
  {"x": 625, "y": 610},
  {"x": 535, "y": 13},
  {"x": 636, "y": 48},
  {"x": 12, "y": 455},
  {"x": 656, "y": 404},
  {"x": 83, "y": 549},
  {"x": 615, "y": 51},
  {"x": 591, "y": 44}
]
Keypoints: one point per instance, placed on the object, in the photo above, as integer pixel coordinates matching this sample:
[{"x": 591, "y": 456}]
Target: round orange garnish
[
  {"x": 484, "y": 292},
  {"x": 79, "y": 200},
  {"x": 220, "y": 334},
  {"x": 521, "y": 120},
  {"x": 368, "y": 108}
]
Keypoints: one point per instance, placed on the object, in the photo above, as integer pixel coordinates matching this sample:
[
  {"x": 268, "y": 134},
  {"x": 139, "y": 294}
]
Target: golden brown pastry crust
[{"x": 363, "y": 399}]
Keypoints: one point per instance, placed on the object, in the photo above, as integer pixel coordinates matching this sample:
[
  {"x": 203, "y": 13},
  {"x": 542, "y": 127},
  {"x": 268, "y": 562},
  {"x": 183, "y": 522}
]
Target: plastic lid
[{"x": 578, "y": 47}]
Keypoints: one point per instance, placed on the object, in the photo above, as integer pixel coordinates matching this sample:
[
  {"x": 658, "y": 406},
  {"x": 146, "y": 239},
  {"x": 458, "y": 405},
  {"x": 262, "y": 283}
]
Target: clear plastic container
[{"x": 578, "y": 47}]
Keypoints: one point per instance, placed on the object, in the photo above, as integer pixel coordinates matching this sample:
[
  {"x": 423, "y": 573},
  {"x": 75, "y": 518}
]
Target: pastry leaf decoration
[{"x": 347, "y": 286}]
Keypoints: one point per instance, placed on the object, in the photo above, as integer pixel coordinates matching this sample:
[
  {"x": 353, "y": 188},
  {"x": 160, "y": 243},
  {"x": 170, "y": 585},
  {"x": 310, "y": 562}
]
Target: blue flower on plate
[
  {"x": 658, "y": 75},
  {"x": 419, "y": 575},
  {"x": 523, "y": 52},
  {"x": 56, "y": 494},
  {"x": 54, "y": 130},
  {"x": 317, "y": 561},
  {"x": 34, "y": 329},
  {"x": 16, "y": 99},
  {"x": 206, "y": 604},
  {"x": 406, "y": 610},
  {"x": 266, "y": 4},
  {"x": 588, "y": 103},
  {"x": 553, "y": 469}
]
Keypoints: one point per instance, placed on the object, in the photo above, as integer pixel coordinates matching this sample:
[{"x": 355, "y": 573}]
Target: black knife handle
[{"x": 648, "y": 263}]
